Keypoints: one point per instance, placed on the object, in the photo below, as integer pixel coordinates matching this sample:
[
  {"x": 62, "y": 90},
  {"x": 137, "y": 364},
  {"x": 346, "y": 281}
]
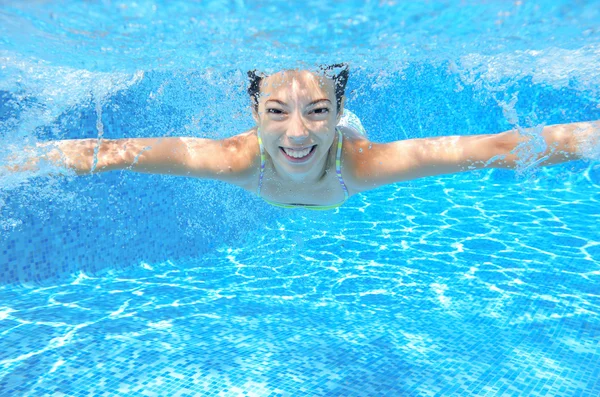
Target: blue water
[{"x": 121, "y": 284}]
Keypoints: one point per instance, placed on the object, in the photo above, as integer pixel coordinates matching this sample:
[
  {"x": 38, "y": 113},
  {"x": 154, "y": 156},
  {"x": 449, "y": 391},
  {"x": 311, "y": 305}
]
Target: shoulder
[
  {"x": 245, "y": 151},
  {"x": 234, "y": 160},
  {"x": 367, "y": 165},
  {"x": 355, "y": 151},
  {"x": 244, "y": 144}
]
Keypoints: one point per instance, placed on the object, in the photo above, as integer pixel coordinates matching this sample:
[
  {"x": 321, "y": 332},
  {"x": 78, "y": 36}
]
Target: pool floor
[{"x": 445, "y": 287}]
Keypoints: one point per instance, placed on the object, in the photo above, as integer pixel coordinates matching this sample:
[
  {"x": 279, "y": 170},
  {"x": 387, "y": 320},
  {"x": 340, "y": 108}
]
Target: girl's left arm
[{"x": 372, "y": 165}]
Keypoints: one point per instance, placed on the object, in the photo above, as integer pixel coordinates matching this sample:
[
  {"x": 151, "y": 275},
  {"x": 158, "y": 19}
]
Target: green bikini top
[{"x": 338, "y": 171}]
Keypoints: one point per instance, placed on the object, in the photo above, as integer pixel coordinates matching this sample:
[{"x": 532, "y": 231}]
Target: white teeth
[{"x": 297, "y": 154}]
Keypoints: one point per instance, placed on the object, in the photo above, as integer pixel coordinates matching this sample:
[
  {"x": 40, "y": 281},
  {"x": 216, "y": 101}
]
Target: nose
[{"x": 297, "y": 130}]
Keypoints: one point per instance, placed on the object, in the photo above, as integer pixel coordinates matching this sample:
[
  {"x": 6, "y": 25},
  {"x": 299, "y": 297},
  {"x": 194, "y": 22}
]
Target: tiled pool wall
[
  {"x": 55, "y": 226},
  {"x": 120, "y": 220}
]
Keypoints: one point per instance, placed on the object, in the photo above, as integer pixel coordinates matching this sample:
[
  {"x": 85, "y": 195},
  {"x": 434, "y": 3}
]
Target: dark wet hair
[{"x": 338, "y": 72}]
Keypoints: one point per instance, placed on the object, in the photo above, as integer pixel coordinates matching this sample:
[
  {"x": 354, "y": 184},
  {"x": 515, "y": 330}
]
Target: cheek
[
  {"x": 270, "y": 141},
  {"x": 327, "y": 141}
]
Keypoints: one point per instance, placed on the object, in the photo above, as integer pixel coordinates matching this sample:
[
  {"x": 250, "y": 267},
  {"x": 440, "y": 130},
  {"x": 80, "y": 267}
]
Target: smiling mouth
[{"x": 294, "y": 155}]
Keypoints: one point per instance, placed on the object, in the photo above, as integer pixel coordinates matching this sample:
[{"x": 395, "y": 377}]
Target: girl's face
[{"x": 297, "y": 116}]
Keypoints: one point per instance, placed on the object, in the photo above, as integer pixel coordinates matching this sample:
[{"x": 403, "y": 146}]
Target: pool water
[
  {"x": 475, "y": 284},
  {"x": 447, "y": 286}
]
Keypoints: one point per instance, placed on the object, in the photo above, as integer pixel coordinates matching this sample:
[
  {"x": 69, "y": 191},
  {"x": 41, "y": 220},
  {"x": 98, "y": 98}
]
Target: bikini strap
[
  {"x": 262, "y": 161},
  {"x": 338, "y": 163}
]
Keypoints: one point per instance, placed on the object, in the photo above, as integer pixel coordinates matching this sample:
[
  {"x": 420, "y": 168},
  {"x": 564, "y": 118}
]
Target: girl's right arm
[{"x": 231, "y": 160}]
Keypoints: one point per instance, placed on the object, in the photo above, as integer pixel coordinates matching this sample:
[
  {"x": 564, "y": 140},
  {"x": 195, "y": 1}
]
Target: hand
[
  {"x": 586, "y": 139},
  {"x": 36, "y": 158}
]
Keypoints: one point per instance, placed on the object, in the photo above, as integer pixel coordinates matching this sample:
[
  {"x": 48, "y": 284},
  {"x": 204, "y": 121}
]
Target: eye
[
  {"x": 274, "y": 111},
  {"x": 321, "y": 110}
]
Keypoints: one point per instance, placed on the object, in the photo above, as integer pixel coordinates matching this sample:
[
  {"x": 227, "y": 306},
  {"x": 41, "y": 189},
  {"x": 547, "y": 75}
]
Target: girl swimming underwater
[{"x": 306, "y": 151}]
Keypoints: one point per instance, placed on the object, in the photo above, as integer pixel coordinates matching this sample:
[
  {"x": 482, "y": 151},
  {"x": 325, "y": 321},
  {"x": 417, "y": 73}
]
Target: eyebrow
[{"x": 310, "y": 104}]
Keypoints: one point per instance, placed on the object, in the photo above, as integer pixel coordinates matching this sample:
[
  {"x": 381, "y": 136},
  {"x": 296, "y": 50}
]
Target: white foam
[
  {"x": 556, "y": 67},
  {"x": 55, "y": 89}
]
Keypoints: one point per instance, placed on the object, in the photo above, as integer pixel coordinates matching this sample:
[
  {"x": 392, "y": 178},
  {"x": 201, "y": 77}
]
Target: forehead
[{"x": 298, "y": 82}]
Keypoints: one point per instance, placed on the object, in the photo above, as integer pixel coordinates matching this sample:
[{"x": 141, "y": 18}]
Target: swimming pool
[{"x": 483, "y": 283}]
